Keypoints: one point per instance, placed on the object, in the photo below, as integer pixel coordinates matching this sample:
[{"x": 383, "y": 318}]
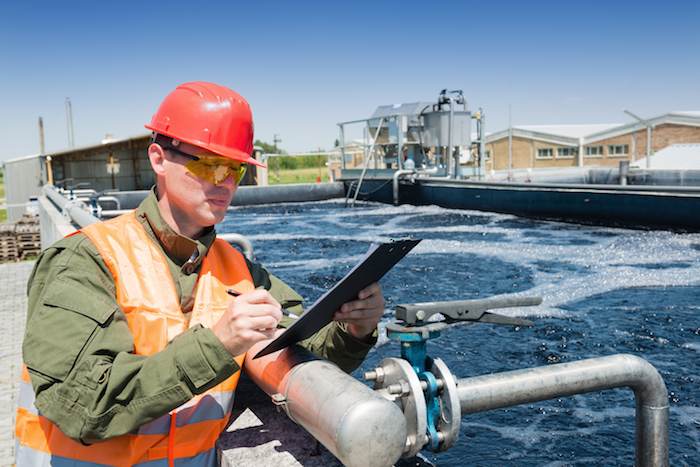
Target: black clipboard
[{"x": 380, "y": 258}]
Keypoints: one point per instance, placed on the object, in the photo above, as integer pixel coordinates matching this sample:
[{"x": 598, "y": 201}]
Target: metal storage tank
[{"x": 24, "y": 177}]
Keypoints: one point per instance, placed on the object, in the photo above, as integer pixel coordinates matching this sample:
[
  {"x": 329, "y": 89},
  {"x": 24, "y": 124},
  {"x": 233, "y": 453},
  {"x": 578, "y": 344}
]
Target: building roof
[
  {"x": 679, "y": 117},
  {"x": 690, "y": 113},
  {"x": 572, "y": 135},
  {"x": 89, "y": 147},
  {"x": 569, "y": 131},
  {"x": 673, "y": 157},
  {"x": 565, "y": 135}
]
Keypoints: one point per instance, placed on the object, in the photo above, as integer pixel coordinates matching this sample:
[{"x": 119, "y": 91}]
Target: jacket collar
[{"x": 186, "y": 252}]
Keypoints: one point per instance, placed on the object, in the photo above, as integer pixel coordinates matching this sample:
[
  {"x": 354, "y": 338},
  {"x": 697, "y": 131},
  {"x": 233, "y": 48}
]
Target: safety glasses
[{"x": 213, "y": 169}]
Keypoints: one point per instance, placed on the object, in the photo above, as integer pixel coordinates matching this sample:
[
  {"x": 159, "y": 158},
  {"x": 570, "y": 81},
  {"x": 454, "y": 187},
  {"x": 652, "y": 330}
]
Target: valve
[{"x": 423, "y": 386}]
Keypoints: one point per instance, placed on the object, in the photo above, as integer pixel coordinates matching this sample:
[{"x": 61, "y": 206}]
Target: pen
[{"x": 235, "y": 293}]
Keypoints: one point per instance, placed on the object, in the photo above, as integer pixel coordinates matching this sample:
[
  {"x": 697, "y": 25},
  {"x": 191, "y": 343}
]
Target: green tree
[{"x": 268, "y": 148}]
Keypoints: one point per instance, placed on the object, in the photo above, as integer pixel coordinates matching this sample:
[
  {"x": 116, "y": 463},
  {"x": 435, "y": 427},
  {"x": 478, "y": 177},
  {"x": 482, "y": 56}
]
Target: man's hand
[
  {"x": 250, "y": 318},
  {"x": 363, "y": 315}
]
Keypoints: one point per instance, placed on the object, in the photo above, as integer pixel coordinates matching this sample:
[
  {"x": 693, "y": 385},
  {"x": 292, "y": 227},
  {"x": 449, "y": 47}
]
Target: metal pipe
[
  {"x": 359, "y": 426},
  {"x": 482, "y": 145},
  {"x": 76, "y": 210},
  {"x": 450, "y": 150},
  {"x": 398, "y": 174},
  {"x": 499, "y": 390},
  {"x": 240, "y": 240},
  {"x": 366, "y": 164},
  {"x": 510, "y": 146},
  {"x": 648, "y": 164},
  {"x": 342, "y": 144}
]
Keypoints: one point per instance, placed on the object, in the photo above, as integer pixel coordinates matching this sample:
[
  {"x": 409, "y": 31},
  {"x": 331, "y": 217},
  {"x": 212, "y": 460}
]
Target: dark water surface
[{"x": 605, "y": 291}]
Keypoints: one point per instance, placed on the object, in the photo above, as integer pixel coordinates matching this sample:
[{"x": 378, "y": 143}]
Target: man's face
[{"x": 198, "y": 192}]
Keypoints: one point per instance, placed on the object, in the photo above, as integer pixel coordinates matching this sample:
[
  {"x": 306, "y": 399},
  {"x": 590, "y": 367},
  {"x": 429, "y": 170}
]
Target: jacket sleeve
[
  {"x": 79, "y": 351},
  {"x": 333, "y": 342}
]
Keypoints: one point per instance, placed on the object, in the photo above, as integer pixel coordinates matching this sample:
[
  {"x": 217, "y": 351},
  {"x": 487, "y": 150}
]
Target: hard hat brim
[{"x": 223, "y": 151}]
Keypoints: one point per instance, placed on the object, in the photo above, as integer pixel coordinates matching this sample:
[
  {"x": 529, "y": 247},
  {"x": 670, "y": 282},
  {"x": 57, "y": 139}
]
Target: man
[{"x": 134, "y": 339}]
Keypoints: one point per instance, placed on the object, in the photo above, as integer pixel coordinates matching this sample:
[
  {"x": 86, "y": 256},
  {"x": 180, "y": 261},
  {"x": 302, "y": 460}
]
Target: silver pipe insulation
[
  {"x": 240, "y": 240},
  {"x": 360, "y": 427},
  {"x": 511, "y": 388}
]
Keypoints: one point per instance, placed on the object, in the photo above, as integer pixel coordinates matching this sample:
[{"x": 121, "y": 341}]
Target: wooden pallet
[
  {"x": 8, "y": 253},
  {"x": 29, "y": 253},
  {"x": 28, "y": 238},
  {"x": 27, "y": 229},
  {"x": 20, "y": 240},
  {"x": 7, "y": 230}
]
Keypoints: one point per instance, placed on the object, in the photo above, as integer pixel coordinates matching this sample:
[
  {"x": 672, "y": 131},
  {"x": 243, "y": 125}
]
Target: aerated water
[{"x": 605, "y": 291}]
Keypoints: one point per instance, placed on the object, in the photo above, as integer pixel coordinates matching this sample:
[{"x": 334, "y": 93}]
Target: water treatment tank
[{"x": 436, "y": 128}]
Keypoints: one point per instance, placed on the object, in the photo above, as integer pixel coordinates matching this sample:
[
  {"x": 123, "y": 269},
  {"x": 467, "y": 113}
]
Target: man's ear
[{"x": 157, "y": 157}]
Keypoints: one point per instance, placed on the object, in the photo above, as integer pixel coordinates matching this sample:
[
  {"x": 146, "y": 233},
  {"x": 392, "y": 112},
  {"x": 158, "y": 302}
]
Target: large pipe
[
  {"x": 500, "y": 390},
  {"x": 398, "y": 174},
  {"x": 75, "y": 209},
  {"x": 357, "y": 425}
]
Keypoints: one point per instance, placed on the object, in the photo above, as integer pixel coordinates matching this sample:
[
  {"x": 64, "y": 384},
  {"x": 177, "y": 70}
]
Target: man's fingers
[
  {"x": 263, "y": 334},
  {"x": 359, "y": 315},
  {"x": 372, "y": 289},
  {"x": 261, "y": 309},
  {"x": 258, "y": 296},
  {"x": 367, "y": 304},
  {"x": 263, "y": 322}
]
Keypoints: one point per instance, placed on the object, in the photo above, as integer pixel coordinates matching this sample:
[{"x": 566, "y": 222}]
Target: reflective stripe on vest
[{"x": 147, "y": 295}]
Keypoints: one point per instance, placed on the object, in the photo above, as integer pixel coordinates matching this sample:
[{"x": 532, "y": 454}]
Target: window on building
[
  {"x": 567, "y": 152},
  {"x": 545, "y": 153},
  {"x": 594, "y": 151},
  {"x": 488, "y": 155},
  {"x": 618, "y": 150}
]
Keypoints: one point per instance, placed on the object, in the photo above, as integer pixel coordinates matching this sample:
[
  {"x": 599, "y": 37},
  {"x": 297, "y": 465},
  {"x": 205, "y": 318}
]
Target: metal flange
[
  {"x": 401, "y": 385},
  {"x": 450, "y": 409}
]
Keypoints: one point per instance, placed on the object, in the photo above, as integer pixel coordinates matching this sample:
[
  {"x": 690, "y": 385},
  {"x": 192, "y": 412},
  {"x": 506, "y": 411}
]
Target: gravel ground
[{"x": 13, "y": 310}]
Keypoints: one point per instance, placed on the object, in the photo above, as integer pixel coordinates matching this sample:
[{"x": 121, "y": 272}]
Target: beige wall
[
  {"x": 662, "y": 136},
  {"x": 525, "y": 155},
  {"x": 525, "y": 150}
]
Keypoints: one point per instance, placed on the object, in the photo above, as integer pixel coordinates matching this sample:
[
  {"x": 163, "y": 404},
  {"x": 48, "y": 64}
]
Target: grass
[
  {"x": 305, "y": 175},
  {"x": 3, "y": 212}
]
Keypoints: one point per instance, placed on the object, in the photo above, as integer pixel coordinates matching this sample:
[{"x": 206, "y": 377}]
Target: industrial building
[
  {"x": 559, "y": 146},
  {"x": 112, "y": 165}
]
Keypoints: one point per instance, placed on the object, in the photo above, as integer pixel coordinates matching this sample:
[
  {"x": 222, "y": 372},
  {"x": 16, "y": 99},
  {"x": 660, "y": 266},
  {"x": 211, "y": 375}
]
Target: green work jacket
[{"x": 91, "y": 363}]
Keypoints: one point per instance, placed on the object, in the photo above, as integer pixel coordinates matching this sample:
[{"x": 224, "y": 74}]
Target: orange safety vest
[{"x": 147, "y": 295}]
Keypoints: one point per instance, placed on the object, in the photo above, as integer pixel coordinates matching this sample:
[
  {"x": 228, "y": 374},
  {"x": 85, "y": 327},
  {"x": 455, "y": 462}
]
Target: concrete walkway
[{"x": 13, "y": 312}]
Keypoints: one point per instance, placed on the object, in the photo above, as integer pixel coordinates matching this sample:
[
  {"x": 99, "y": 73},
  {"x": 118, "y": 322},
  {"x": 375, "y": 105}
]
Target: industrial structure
[{"x": 422, "y": 135}]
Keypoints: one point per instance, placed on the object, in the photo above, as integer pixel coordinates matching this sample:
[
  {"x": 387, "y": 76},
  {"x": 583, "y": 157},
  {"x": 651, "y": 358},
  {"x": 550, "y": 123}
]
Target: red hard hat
[{"x": 209, "y": 116}]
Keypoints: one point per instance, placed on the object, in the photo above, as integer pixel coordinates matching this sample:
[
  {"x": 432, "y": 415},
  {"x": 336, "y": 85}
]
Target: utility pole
[
  {"x": 69, "y": 123},
  {"x": 510, "y": 145},
  {"x": 42, "y": 147},
  {"x": 276, "y": 139},
  {"x": 648, "y": 125},
  {"x": 42, "y": 151}
]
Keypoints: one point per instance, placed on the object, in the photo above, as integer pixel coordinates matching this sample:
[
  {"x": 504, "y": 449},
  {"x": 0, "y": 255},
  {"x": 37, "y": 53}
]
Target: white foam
[{"x": 608, "y": 258}]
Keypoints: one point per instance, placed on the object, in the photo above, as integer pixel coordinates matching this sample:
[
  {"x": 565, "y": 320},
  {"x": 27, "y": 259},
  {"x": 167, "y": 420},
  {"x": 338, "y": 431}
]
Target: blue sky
[{"x": 304, "y": 66}]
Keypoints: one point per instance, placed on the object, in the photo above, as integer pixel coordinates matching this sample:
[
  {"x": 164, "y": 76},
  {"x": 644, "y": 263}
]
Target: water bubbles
[{"x": 605, "y": 290}]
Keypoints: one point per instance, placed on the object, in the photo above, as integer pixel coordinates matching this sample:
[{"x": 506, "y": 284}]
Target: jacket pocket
[{"x": 63, "y": 325}]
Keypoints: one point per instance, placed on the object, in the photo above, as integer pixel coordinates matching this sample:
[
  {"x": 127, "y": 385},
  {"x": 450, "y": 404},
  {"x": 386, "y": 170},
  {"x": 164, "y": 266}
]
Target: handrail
[
  {"x": 511, "y": 388},
  {"x": 370, "y": 154}
]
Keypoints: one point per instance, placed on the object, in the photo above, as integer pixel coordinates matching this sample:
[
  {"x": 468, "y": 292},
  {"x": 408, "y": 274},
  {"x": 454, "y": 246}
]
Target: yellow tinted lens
[{"x": 216, "y": 170}]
